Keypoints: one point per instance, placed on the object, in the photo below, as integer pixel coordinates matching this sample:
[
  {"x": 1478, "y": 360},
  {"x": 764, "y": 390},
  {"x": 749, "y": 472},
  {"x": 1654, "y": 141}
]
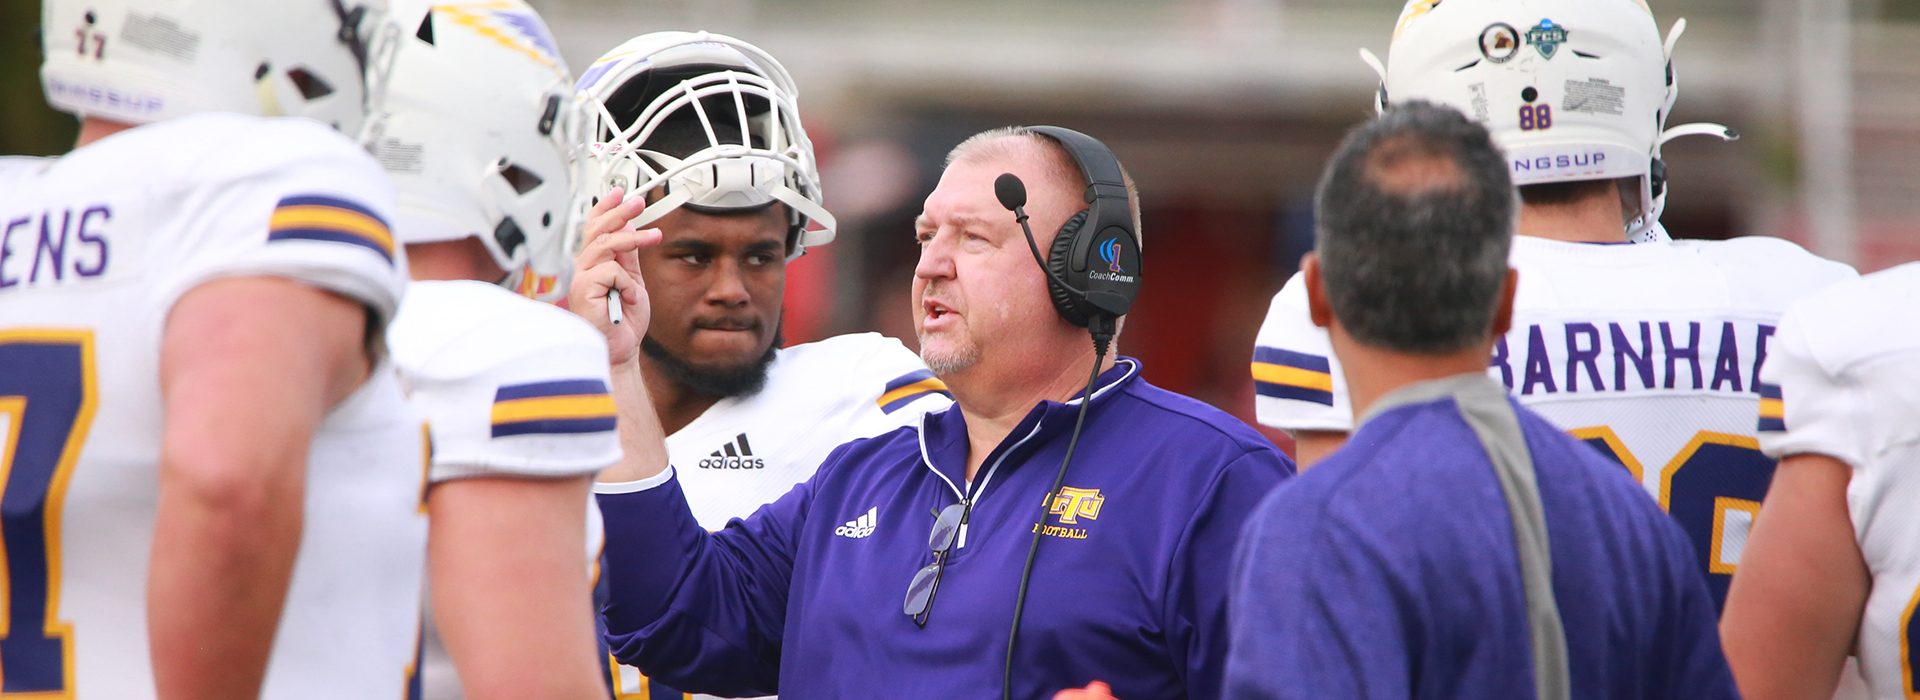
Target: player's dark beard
[{"x": 743, "y": 380}]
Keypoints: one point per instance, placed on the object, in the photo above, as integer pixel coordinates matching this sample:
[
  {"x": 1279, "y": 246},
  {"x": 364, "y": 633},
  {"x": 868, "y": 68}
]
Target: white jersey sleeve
[
  {"x": 1845, "y": 371},
  {"x": 902, "y": 387},
  {"x": 1296, "y": 379},
  {"x": 509, "y": 386},
  {"x": 286, "y": 198},
  {"x": 1841, "y": 379},
  {"x": 1827, "y": 414}
]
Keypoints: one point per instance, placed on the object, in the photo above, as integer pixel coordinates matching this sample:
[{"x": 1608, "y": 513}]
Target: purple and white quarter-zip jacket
[{"x": 805, "y": 596}]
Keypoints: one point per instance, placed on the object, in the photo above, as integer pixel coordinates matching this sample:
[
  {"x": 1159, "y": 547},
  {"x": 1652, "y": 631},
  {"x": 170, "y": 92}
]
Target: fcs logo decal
[
  {"x": 1547, "y": 37},
  {"x": 509, "y": 25},
  {"x": 1110, "y": 252},
  {"x": 1072, "y": 504}
]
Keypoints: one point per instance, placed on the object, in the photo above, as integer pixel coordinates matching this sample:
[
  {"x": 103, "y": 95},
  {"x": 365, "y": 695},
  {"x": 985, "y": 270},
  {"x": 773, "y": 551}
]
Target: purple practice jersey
[{"x": 1390, "y": 571}]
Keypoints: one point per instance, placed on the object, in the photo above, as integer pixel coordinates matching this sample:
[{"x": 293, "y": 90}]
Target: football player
[
  {"x": 213, "y": 484},
  {"x": 1649, "y": 350},
  {"x": 474, "y": 134},
  {"x": 1830, "y": 569},
  {"x": 704, "y": 133}
]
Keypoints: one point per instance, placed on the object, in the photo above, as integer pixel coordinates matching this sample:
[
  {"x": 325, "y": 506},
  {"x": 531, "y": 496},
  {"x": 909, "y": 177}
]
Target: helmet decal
[
  {"x": 1499, "y": 42},
  {"x": 477, "y": 137},
  {"x": 1547, "y": 38},
  {"x": 511, "y": 24}
]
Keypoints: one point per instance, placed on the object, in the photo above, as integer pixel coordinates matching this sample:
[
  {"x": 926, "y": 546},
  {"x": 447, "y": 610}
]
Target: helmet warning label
[{"x": 1594, "y": 96}]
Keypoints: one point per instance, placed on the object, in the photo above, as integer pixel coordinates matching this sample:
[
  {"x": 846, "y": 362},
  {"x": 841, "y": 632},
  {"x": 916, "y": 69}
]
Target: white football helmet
[
  {"x": 476, "y": 132},
  {"x": 754, "y": 152},
  {"x": 141, "y": 61},
  {"x": 1570, "y": 89}
]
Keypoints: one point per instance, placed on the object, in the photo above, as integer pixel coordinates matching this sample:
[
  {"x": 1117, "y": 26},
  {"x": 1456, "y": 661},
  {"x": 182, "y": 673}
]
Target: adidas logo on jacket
[{"x": 861, "y": 526}]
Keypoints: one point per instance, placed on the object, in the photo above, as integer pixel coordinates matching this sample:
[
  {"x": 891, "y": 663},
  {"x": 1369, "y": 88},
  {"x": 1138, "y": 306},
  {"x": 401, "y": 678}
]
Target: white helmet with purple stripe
[
  {"x": 143, "y": 61},
  {"x": 476, "y": 134}
]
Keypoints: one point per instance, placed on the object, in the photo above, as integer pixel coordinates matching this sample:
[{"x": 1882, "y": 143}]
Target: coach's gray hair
[
  {"x": 1001, "y": 142},
  {"x": 1415, "y": 218}
]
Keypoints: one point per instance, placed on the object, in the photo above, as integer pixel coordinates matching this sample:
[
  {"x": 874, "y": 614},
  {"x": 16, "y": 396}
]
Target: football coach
[
  {"x": 951, "y": 559},
  {"x": 1458, "y": 545}
]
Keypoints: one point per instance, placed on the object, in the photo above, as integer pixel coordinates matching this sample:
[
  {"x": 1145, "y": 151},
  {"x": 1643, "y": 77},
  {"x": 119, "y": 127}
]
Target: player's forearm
[
  {"x": 1795, "y": 603},
  {"x": 222, "y": 558},
  {"x": 511, "y": 593},
  {"x": 643, "y": 443}
]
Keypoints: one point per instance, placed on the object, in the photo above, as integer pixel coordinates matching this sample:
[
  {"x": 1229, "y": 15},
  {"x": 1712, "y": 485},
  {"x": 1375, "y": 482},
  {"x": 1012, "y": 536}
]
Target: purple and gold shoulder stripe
[
  {"x": 1285, "y": 374},
  {"x": 560, "y": 407},
  {"x": 1773, "y": 411},
  {"x": 910, "y": 387},
  {"x": 314, "y": 217}
]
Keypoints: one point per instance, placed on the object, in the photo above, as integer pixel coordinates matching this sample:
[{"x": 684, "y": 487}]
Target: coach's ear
[
  {"x": 1503, "y": 306},
  {"x": 1317, "y": 307}
]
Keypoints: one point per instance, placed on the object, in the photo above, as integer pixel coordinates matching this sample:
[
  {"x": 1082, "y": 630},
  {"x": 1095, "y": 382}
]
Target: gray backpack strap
[{"x": 1484, "y": 405}]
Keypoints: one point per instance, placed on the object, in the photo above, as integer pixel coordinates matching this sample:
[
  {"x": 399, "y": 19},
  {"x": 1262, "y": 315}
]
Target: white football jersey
[
  {"x": 1647, "y": 351},
  {"x": 1846, "y": 369},
  {"x": 96, "y": 248},
  {"x": 509, "y": 386},
  {"x": 748, "y": 451}
]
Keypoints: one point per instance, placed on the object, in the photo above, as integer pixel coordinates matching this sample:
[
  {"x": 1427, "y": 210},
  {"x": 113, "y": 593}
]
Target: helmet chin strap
[
  {"x": 678, "y": 196},
  {"x": 658, "y": 209},
  {"x": 1697, "y": 129},
  {"x": 1379, "y": 95},
  {"x": 813, "y": 212}
]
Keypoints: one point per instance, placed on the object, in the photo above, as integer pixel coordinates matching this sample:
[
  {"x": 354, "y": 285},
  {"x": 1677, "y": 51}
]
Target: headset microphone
[
  {"x": 1013, "y": 195},
  {"x": 1084, "y": 296}
]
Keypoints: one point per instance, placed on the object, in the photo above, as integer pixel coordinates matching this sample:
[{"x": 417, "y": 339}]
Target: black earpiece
[
  {"x": 1093, "y": 274},
  {"x": 1093, "y": 269}
]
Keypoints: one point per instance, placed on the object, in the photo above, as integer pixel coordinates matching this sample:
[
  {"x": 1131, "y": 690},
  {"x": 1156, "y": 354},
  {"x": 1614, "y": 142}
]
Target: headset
[
  {"x": 1087, "y": 294},
  {"x": 1093, "y": 275}
]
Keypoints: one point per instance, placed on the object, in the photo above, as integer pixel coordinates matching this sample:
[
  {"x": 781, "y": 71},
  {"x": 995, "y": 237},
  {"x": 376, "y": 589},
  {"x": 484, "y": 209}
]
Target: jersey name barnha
[
  {"x": 53, "y": 246},
  {"x": 1577, "y": 357}
]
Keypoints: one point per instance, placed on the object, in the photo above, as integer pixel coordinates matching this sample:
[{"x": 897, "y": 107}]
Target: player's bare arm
[
  {"x": 1795, "y": 605},
  {"x": 610, "y": 260},
  {"x": 249, "y": 366},
  {"x": 510, "y": 591}
]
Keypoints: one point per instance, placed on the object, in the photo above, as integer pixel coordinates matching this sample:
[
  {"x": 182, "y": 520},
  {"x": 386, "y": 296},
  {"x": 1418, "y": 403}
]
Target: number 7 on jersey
[{"x": 47, "y": 399}]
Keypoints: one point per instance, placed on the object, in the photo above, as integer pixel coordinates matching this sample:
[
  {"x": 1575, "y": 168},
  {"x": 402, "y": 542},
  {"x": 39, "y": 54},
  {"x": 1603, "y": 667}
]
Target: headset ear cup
[{"x": 1057, "y": 260}]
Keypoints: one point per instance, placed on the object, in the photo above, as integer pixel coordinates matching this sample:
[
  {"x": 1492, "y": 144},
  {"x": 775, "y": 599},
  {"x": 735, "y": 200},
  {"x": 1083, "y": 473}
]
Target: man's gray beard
[{"x": 950, "y": 362}]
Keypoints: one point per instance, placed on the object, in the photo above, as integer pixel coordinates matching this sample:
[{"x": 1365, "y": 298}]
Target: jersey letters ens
[
  {"x": 95, "y": 248},
  {"x": 1845, "y": 379},
  {"x": 1649, "y": 352}
]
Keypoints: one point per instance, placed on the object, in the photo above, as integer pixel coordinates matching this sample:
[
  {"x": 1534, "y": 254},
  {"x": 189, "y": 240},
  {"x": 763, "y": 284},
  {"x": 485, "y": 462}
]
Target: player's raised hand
[{"x": 608, "y": 262}]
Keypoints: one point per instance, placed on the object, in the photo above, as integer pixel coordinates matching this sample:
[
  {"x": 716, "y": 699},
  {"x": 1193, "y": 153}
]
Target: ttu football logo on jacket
[{"x": 735, "y": 454}]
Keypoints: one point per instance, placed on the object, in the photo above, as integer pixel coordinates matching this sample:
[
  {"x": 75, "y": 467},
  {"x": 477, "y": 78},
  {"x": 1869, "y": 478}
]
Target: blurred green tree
[{"x": 27, "y": 125}]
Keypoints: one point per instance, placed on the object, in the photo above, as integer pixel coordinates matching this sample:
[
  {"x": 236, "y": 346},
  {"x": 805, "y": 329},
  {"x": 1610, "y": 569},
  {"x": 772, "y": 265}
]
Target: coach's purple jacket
[{"x": 801, "y": 599}]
